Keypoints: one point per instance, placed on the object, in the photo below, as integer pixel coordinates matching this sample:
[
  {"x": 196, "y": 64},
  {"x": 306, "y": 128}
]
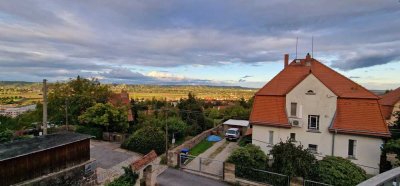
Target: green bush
[
  {"x": 93, "y": 131},
  {"x": 293, "y": 160},
  {"x": 249, "y": 156},
  {"x": 128, "y": 179},
  {"x": 6, "y": 135},
  {"x": 339, "y": 171},
  {"x": 146, "y": 139}
]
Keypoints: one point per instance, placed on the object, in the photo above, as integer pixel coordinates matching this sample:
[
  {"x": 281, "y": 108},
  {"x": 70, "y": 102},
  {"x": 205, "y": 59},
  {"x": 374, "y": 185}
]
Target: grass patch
[{"x": 200, "y": 147}]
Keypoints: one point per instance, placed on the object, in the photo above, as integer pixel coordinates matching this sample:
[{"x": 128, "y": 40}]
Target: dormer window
[{"x": 310, "y": 92}]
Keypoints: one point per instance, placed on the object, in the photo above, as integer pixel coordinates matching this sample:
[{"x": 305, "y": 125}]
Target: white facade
[
  {"x": 311, "y": 97},
  {"x": 15, "y": 111}
]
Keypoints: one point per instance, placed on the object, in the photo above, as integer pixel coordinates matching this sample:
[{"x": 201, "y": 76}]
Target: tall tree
[
  {"x": 192, "y": 113},
  {"x": 76, "y": 94}
]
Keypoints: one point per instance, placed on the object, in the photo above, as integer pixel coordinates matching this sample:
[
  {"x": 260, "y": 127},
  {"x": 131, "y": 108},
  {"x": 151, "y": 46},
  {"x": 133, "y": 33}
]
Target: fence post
[{"x": 200, "y": 164}]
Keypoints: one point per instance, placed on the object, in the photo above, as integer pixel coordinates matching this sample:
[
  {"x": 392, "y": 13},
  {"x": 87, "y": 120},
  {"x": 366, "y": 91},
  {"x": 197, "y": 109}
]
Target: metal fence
[
  {"x": 314, "y": 183},
  {"x": 203, "y": 165},
  {"x": 262, "y": 176}
]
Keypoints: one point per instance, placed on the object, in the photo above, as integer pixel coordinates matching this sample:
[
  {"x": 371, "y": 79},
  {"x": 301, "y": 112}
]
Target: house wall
[
  {"x": 323, "y": 103},
  {"x": 367, "y": 151}
]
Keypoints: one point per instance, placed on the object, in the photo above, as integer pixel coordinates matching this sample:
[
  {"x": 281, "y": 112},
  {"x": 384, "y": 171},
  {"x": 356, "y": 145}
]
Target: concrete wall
[{"x": 322, "y": 103}]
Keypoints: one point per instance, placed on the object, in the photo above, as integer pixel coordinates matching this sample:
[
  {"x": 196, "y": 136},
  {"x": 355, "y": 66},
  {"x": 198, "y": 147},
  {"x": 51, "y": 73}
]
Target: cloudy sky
[{"x": 238, "y": 42}]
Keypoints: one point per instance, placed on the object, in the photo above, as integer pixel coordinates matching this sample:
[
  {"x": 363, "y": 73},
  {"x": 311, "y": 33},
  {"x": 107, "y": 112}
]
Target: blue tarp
[{"x": 214, "y": 138}]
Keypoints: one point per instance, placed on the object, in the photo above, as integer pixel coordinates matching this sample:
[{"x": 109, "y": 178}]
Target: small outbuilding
[
  {"x": 47, "y": 160},
  {"x": 242, "y": 125}
]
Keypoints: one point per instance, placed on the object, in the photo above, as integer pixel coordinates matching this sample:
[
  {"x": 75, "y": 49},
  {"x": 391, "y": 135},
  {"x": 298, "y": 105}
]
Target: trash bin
[{"x": 184, "y": 155}]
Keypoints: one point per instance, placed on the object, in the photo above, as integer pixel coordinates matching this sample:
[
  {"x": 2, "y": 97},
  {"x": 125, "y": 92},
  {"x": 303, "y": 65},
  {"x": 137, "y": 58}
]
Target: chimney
[{"x": 286, "y": 60}]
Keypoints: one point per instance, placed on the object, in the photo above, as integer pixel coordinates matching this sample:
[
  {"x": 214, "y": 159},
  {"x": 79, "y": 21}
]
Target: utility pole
[
  {"x": 44, "y": 106},
  {"x": 66, "y": 113},
  {"x": 166, "y": 138}
]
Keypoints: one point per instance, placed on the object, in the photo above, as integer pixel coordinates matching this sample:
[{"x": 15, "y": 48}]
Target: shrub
[
  {"x": 93, "y": 131},
  {"x": 6, "y": 135},
  {"x": 128, "y": 179},
  {"x": 339, "y": 171},
  {"x": 249, "y": 156},
  {"x": 293, "y": 160},
  {"x": 146, "y": 139}
]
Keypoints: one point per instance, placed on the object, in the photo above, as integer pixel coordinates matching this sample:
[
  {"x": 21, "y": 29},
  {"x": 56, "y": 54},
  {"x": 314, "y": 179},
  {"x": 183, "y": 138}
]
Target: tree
[
  {"x": 236, "y": 112},
  {"x": 106, "y": 116},
  {"x": 78, "y": 95},
  {"x": 293, "y": 160},
  {"x": 192, "y": 113},
  {"x": 339, "y": 171},
  {"x": 146, "y": 139}
]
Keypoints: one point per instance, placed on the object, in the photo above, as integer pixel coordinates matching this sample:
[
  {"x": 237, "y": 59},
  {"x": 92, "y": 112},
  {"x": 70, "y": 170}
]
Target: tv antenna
[
  {"x": 312, "y": 46},
  {"x": 297, "y": 41}
]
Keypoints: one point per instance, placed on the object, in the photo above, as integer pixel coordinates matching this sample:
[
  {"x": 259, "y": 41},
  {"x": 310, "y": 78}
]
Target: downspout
[{"x": 333, "y": 142}]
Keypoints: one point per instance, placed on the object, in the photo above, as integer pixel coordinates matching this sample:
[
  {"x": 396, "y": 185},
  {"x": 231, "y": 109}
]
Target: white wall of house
[
  {"x": 322, "y": 103},
  {"x": 367, "y": 151}
]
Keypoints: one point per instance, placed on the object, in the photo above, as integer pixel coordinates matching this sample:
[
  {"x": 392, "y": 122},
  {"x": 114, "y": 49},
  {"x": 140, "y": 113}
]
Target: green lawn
[{"x": 201, "y": 147}]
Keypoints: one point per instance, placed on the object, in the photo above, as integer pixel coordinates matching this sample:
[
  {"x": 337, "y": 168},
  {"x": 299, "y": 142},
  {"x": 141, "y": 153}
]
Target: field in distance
[{"x": 22, "y": 93}]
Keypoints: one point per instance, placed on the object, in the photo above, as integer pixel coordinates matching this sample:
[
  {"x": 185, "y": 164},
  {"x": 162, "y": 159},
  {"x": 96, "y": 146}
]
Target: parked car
[{"x": 232, "y": 134}]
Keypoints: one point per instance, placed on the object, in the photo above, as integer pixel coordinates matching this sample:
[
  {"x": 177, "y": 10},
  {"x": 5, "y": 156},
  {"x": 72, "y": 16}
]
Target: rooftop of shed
[{"x": 23, "y": 147}]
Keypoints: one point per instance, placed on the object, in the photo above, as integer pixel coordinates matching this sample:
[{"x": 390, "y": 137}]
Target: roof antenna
[
  {"x": 312, "y": 46},
  {"x": 297, "y": 41}
]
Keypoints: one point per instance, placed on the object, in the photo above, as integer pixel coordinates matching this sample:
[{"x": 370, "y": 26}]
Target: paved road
[
  {"x": 110, "y": 159},
  {"x": 173, "y": 177}
]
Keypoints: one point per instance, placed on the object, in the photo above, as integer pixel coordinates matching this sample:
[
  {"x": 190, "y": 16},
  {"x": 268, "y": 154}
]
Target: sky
[{"x": 197, "y": 42}]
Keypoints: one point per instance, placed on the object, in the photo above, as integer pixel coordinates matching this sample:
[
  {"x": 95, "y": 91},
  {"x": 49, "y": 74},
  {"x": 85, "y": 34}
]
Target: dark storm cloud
[{"x": 65, "y": 38}]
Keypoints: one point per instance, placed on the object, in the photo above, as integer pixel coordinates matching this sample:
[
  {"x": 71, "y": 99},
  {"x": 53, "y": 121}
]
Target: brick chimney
[{"x": 286, "y": 60}]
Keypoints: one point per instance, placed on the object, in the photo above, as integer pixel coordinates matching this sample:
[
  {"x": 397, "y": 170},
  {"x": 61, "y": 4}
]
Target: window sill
[
  {"x": 351, "y": 158},
  {"x": 313, "y": 131}
]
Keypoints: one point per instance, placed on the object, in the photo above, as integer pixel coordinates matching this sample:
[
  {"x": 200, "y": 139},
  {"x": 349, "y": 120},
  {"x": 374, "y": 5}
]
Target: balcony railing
[{"x": 391, "y": 177}]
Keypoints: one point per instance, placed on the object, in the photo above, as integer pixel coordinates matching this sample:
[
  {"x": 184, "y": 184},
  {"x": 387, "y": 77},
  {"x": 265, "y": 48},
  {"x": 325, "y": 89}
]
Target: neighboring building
[
  {"x": 390, "y": 104},
  {"x": 322, "y": 110},
  {"x": 47, "y": 160},
  {"x": 16, "y": 111},
  {"x": 122, "y": 99}
]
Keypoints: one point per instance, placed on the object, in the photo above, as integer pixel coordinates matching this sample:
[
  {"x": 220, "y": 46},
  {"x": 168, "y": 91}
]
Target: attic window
[{"x": 310, "y": 92}]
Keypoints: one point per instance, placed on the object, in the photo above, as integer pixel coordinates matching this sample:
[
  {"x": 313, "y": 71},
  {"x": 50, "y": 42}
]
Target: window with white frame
[
  {"x": 313, "y": 122},
  {"x": 293, "y": 109},
  {"x": 352, "y": 148},
  {"x": 313, "y": 148},
  {"x": 271, "y": 137}
]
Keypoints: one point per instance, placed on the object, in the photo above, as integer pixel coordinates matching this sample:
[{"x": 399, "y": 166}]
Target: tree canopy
[
  {"x": 106, "y": 116},
  {"x": 146, "y": 139}
]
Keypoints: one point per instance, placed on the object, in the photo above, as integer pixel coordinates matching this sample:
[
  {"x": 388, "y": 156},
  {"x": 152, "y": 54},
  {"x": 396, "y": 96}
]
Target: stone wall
[
  {"x": 83, "y": 174},
  {"x": 173, "y": 154}
]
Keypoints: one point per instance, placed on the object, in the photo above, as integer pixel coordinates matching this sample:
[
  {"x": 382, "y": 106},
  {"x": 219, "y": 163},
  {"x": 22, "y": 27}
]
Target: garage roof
[{"x": 242, "y": 123}]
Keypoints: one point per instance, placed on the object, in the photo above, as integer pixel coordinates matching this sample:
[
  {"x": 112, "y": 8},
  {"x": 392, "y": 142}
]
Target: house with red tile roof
[
  {"x": 315, "y": 106},
  {"x": 122, "y": 99},
  {"x": 390, "y": 104}
]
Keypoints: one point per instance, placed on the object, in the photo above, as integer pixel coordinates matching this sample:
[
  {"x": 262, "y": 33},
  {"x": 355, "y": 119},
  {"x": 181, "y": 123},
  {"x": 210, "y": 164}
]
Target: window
[
  {"x": 352, "y": 148},
  {"x": 293, "y": 109},
  {"x": 313, "y": 122},
  {"x": 313, "y": 148},
  {"x": 271, "y": 137},
  {"x": 310, "y": 92},
  {"x": 292, "y": 136}
]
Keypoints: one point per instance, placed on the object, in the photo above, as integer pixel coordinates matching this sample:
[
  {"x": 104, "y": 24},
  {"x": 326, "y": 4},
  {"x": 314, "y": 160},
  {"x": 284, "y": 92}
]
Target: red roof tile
[
  {"x": 360, "y": 116},
  {"x": 387, "y": 111},
  {"x": 269, "y": 110},
  {"x": 390, "y": 98},
  {"x": 140, "y": 163},
  {"x": 293, "y": 74}
]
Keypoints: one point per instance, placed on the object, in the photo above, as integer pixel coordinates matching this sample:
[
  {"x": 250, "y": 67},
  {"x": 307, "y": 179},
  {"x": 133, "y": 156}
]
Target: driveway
[
  {"x": 211, "y": 161},
  {"x": 173, "y": 177},
  {"x": 110, "y": 159}
]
